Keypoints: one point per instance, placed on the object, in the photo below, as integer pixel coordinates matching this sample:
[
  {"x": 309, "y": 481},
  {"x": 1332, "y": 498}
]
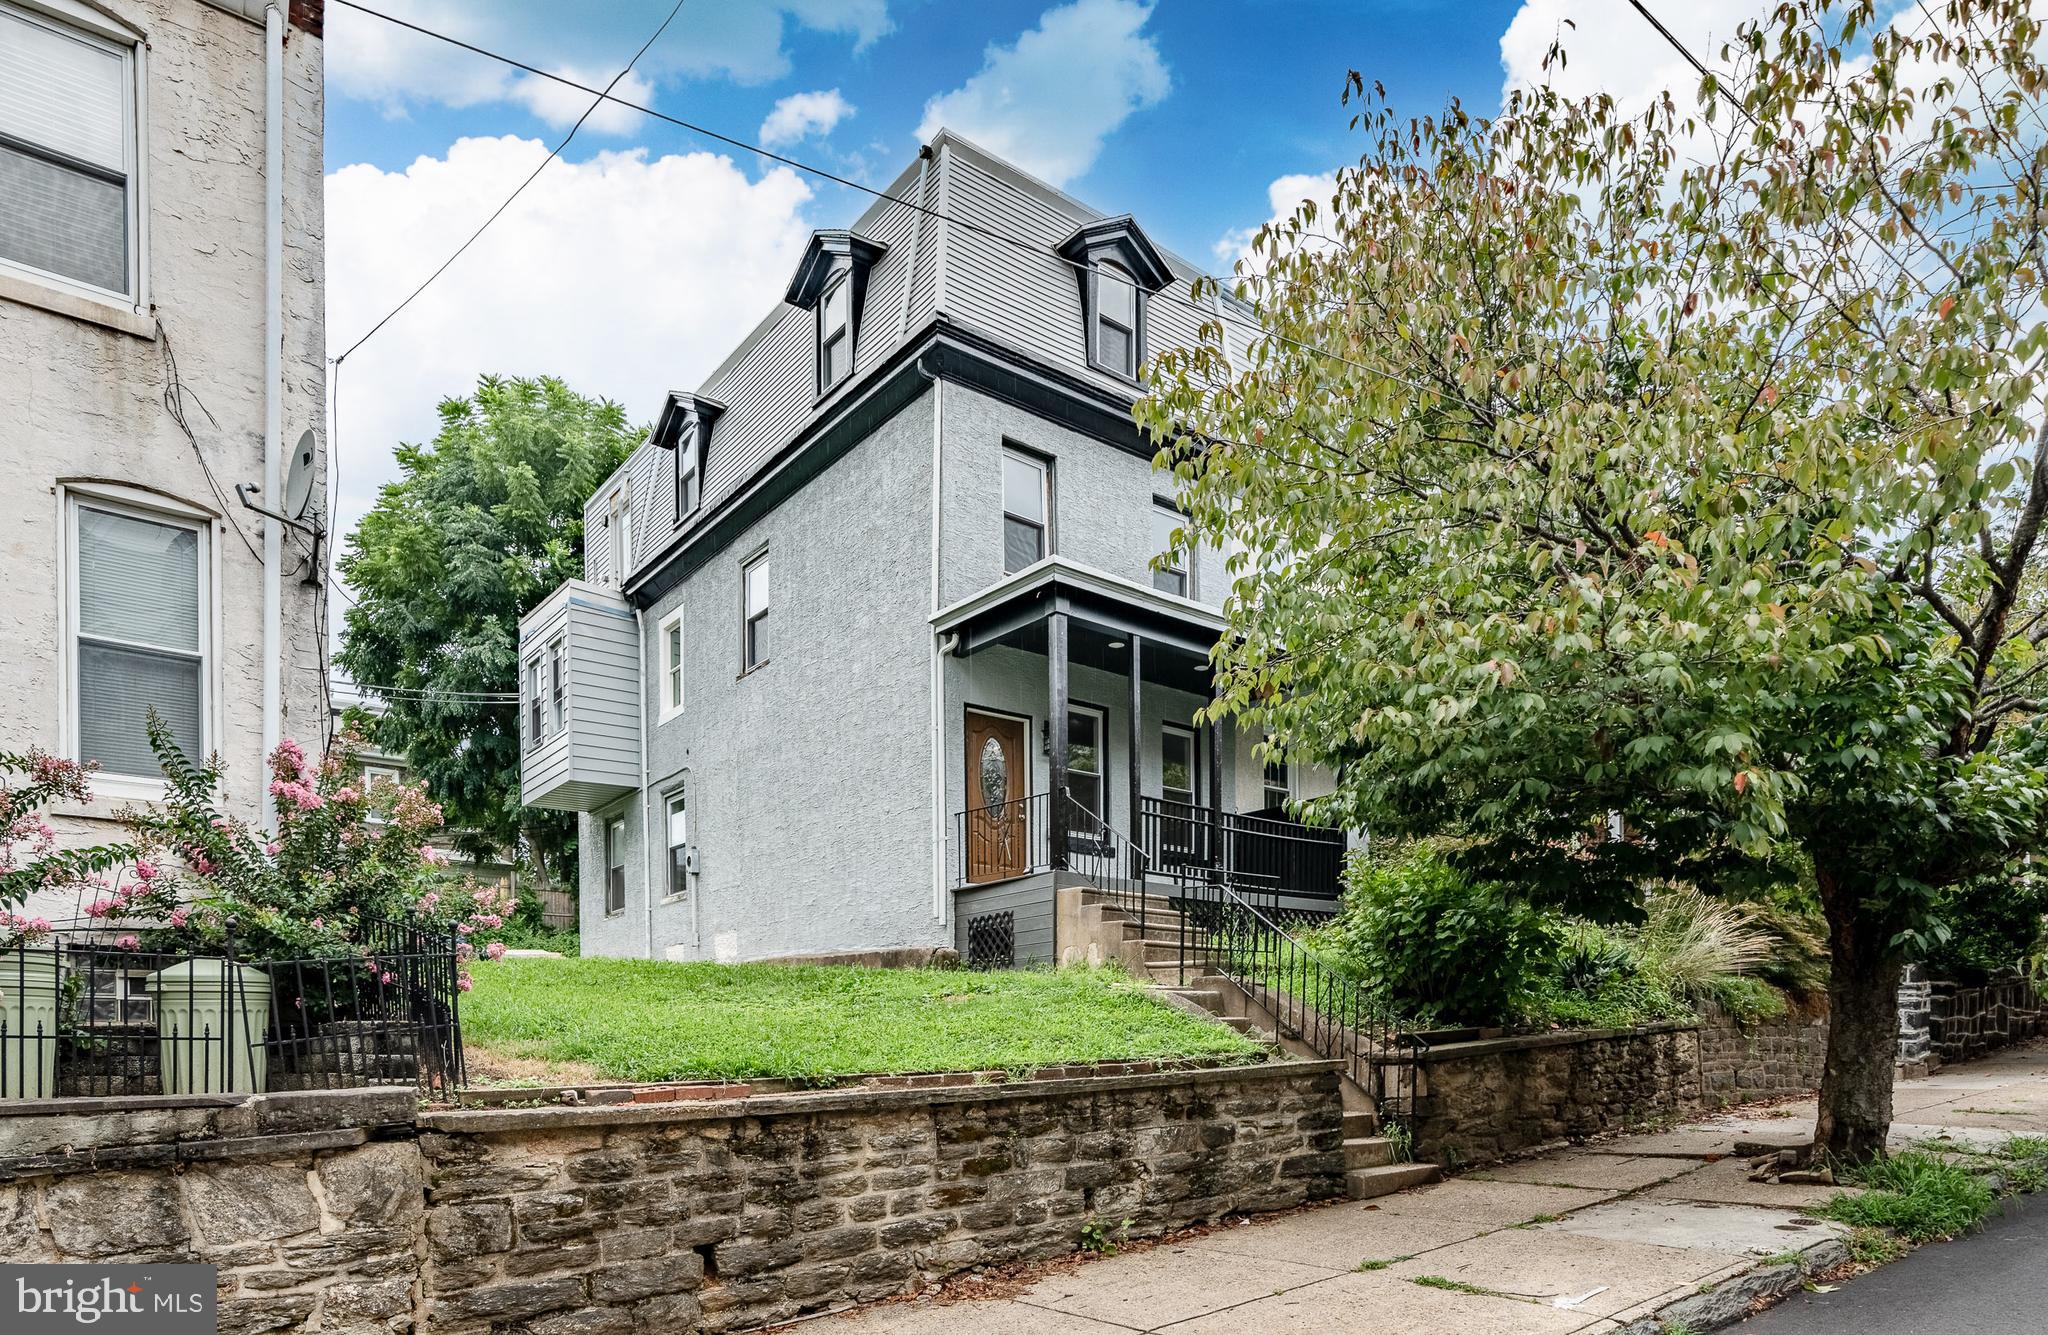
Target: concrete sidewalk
[{"x": 1627, "y": 1235}]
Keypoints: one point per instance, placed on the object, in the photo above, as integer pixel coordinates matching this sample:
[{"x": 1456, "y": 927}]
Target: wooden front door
[{"x": 998, "y": 789}]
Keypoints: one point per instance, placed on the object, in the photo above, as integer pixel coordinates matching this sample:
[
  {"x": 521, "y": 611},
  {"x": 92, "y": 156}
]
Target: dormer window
[
  {"x": 685, "y": 429},
  {"x": 1118, "y": 269},
  {"x": 830, "y": 283}
]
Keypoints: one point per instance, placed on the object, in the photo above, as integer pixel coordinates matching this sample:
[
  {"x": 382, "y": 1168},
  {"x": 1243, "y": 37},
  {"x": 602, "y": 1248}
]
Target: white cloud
[
  {"x": 375, "y": 60},
  {"x": 1284, "y": 195},
  {"x": 625, "y": 275},
  {"x": 1049, "y": 100},
  {"x": 801, "y": 115},
  {"x": 1611, "y": 48},
  {"x": 560, "y": 105}
]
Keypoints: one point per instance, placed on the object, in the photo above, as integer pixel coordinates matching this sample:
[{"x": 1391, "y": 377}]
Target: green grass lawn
[{"x": 645, "y": 1020}]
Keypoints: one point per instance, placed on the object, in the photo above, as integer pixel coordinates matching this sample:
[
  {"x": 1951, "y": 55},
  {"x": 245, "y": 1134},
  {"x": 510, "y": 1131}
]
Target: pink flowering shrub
[
  {"x": 29, "y": 857},
  {"x": 338, "y": 855}
]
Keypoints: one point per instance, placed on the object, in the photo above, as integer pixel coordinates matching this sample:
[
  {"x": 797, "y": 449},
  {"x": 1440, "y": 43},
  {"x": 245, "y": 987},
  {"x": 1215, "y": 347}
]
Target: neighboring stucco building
[
  {"x": 160, "y": 228},
  {"x": 843, "y": 598}
]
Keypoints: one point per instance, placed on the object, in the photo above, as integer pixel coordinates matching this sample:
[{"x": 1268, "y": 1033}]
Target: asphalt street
[{"x": 1992, "y": 1282}]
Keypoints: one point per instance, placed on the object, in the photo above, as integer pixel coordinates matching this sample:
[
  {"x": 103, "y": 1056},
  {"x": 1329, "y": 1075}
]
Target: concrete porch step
[
  {"x": 1361, "y": 1124},
  {"x": 1367, "y": 1152},
  {"x": 1362, "y": 1184}
]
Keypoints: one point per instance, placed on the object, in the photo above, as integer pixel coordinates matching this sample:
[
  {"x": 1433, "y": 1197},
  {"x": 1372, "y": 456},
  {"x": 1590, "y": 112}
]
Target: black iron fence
[
  {"x": 90, "y": 1013},
  {"x": 1301, "y": 860},
  {"x": 1241, "y": 928},
  {"x": 1004, "y": 839}
]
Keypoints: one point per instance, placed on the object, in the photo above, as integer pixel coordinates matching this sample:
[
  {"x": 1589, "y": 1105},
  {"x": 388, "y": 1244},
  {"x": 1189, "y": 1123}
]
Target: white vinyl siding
[
  {"x": 68, "y": 139},
  {"x": 140, "y": 585}
]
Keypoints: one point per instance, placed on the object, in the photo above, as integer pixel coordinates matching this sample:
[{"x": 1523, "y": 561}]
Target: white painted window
[
  {"x": 835, "y": 335},
  {"x": 672, "y": 665},
  {"x": 380, "y": 788},
  {"x": 1277, "y": 785},
  {"x": 754, "y": 595},
  {"x": 614, "y": 866},
  {"x": 1086, "y": 727},
  {"x": 536, "y": 705},
  {"x": 1179, "y": 772},
  {"x": 558, "y": 683},
  {"x": 620, "y": 521},
  {"x": 1171, "y": 575},
  {"x": 142, "y": 624},
  {"x": 1027, "y": 509},
  {"x": 70, "y": 214},
  {"x": 678, "y": 845},
  {"x": 1116, "y": 318}
]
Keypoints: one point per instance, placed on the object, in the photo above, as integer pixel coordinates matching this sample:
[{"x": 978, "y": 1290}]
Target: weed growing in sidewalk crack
[
  {"x": 1382, "y": 1265},
  {"x": 1874, "y": 1246},
  {"x": 1451, "y": 1285}
]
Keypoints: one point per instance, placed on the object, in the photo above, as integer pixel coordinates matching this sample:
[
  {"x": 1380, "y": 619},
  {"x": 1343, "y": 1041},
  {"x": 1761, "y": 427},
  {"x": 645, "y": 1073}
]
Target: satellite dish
[{"x": 298, "y": 477}]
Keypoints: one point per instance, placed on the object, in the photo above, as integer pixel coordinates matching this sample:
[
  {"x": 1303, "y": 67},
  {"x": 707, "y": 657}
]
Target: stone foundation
[
  {"x": 352, "y": 1211},
  {"x": 1480, "y": 1101}
]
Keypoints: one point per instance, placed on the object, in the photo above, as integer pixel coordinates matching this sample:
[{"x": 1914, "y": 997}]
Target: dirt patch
[{"x": 496, "y": 1066}]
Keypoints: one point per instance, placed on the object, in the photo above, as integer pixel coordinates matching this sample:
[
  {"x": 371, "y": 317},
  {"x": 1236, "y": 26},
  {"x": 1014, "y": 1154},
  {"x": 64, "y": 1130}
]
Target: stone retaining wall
[
  {"x": 354, "y": 1212},
  {"x": 1485, "y": 1100},
  {"x": 1965, "y": 1022}
]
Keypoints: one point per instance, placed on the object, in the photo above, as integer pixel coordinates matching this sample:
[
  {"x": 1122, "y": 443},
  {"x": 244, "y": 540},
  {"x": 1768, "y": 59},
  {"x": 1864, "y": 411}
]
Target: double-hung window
[
  {"x": 678, "y": 845},
  {"x": 142, "y": 620},
  {"x": 558, "y": 685},
  {"x": 536, "y": 705},
  {"x": 621, "y": 522},
  {"x": 614, "y": 866},
  {"x": 1085, "y": 729},
  {"x": 686, "y": 482},
  {"x": 754, "y": 609},
  {"x": 68, "y": 157},
  {"x": 1116, "y": 318},
  {"x": 1027, "y": 509},
  {"x": 672, "y": 665},
  {"x": 1277, "y": 786},
  {"x": 835, "y": 335},
  {"x": 1170, "y": 575},
  {"x": 380, "y": 787},
  {"x": 1179, "y": 776}
]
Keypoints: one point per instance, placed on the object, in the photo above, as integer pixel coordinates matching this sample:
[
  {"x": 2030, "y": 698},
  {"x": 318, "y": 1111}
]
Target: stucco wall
[
  {"x": 83, "y": 401},
  {"x": 808, "y": 778}
]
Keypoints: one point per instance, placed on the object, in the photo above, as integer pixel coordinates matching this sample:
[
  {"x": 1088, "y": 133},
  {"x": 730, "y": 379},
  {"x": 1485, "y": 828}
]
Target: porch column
[
  {"x": 1056, "y": 729},
  {"x": 1136, "y": 827},
  {"x": 1216, "y": 793}
]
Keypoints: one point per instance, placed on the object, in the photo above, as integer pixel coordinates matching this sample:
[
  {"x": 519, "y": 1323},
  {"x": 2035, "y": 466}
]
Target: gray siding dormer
[{"x": 584, "y": 750}]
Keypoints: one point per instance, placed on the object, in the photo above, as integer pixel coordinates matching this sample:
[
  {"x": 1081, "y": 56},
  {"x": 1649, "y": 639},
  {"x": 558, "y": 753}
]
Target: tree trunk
[{"x": 1863, "y": 1026}]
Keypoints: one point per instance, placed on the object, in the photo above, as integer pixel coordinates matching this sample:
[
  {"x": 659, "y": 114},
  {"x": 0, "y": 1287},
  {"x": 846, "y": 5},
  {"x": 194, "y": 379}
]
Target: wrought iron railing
[
  {"x": 1238, "y": 928},
  {"x": 1302, "y": 860},
  {"x": 1004, "y": 839},
  {"x": 91, "y": 1013}
]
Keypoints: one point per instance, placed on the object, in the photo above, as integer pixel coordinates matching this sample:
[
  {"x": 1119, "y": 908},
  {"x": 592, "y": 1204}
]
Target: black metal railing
[
  {"x": 1302, "y": 860},
  {"x": 1235, "y": 926},
  {"x": 1004, "y": 839},
  {"x": 90, "y": 1013}
]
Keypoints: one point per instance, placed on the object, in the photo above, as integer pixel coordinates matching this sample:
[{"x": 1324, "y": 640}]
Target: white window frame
[
  {"x": 619, "y": 519},
  {"x": 689, "y": 479},
  {"x": 748, "y": 663},
  {"x": 1267, "y": 787},
  {"x": 1075, "y": 709},
  {"x": 153, "y": 506},
  {"x": 83, "y": 23},
  {"x": 558, "y": 682},
  {"x": 372, "y": 772},
  {"x": 536, "y": 711},
  {"x": 842, "y": 283},
  {"x": 677, "y": 797},
  {"x": 1162, "y": 508},
  {"x": 1194, "y": 740},
  {"x": 1044, "y": 464},
  {"x": 673, "y": 645},
  {"x": 1121, "y": 278},
  {"x": 615, "y": 825}
]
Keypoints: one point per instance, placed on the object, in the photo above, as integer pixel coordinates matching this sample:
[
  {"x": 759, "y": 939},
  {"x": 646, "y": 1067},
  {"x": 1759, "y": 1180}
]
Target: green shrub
[
  {"x": 1691, "y": 943},
  {"x": 1748, "y": 1000},
  {"x": 1919, "y": 1196},
  {"x": 1994, "y": 926},
  {"x": 1797, "y": 958},
  {"x": 1444, "y": 948}
]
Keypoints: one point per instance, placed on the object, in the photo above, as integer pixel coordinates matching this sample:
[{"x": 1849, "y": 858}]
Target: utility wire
[
  {"x": 555, "y": 152},
  {"x": 1035, "y": 248}
]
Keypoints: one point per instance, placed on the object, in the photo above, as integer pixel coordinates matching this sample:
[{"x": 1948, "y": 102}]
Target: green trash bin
[
  {"x": 28, "y": 1012},
  {"x": 212, "y": 1016}
]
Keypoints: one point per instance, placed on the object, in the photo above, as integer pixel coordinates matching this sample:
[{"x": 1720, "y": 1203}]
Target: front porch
[{"x": 1137, "y": 789}]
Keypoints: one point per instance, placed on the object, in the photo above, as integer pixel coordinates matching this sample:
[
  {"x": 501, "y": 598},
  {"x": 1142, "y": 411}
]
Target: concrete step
[
  {"x": 1367, "y": 1152},
  {"x": 1361, "y": 1124},
  {"x": 1208, "y": 998},
  {"x": 1362, "y": 1184}
]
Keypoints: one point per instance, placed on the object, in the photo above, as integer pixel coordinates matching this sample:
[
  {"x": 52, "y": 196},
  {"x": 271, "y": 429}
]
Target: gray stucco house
[{"x": 843, "y": 600}]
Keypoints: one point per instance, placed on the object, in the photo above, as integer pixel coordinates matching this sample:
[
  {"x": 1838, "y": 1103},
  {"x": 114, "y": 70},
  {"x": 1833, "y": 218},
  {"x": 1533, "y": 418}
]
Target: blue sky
[{"x": 634, "y": 264}]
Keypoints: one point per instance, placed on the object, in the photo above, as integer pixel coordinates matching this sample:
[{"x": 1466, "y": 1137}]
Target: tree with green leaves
[
  {"x": 1681, "y": 464},
  {"x": 479, "y": 527}
]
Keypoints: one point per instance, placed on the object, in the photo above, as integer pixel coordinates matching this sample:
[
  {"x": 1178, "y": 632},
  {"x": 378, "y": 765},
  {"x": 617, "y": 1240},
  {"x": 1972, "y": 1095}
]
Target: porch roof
[{"x": 1105, "y": 610}]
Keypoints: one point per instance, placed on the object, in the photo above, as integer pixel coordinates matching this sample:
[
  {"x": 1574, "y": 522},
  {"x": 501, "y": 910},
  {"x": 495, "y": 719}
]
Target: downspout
[
  {"x": 646, "y": 815},
  {"x": 273, "y": 375},
  {"x": 938, "y": 670}
]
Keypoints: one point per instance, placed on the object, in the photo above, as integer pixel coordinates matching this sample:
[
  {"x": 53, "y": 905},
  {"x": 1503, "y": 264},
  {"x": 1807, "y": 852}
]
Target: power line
[
  {"x": 555, "y": 152},
  {"x": 1037, "y": 249}
]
